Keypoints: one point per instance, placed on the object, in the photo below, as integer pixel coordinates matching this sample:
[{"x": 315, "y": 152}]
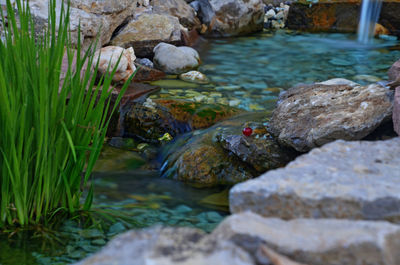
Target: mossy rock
[{"x": 149, "y": 119}]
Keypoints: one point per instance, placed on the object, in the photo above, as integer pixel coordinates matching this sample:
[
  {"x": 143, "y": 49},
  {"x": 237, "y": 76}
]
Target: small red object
[{"x": 247, "y": 131}]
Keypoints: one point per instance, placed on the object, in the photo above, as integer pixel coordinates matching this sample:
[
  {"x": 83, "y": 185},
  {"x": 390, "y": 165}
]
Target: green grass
[{"x": 50, "y": 138}]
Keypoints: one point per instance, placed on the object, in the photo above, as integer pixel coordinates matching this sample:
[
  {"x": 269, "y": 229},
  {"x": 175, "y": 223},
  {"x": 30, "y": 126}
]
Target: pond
[{"x": 246, "y": 72}]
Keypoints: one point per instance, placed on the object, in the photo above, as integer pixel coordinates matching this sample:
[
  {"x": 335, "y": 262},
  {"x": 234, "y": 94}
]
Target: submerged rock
[
  {"x": 316, "y": 242},
  {"x": 396, "y": 111},
  {"x": 308, "y": 116},
  {"x": 231, "y": 17},
  {"x": 151, "y": 119},
  {"x": 175, "y": 60},
  {"x": 168, "y": 246},
  {"x": 352, "y": 180},
  {"x": 146, "y": 31}
]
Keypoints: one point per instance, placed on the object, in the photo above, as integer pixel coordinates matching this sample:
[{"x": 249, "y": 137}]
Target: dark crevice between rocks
[{"x": 383, "y": 132}]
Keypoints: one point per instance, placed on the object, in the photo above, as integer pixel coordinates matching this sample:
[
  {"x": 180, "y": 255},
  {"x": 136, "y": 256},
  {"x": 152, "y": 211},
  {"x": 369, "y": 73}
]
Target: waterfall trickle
[{"x": 369, "y": 16}]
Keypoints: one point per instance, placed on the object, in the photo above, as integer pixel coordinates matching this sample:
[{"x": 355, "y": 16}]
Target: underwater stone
[{"x": 351, "y": 180}]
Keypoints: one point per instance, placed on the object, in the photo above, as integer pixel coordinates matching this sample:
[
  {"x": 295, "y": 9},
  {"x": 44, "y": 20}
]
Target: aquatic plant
[{"x": 51, "y": 131}]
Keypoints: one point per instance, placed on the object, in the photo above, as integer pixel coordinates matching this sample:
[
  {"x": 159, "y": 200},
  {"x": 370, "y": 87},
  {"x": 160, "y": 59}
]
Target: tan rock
[{"x": 146, "y": 31}]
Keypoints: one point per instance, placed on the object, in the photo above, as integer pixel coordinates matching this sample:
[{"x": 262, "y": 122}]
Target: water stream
[{"x": 370, "y": 11}]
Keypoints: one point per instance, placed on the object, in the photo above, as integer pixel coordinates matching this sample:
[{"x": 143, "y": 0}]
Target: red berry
[{"x": 247, "y": 131}]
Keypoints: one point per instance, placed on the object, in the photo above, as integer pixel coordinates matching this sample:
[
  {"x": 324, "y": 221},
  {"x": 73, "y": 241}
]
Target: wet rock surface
[
  {"x": 317, "y": 242},
  {"x": 394, "y": 71},
  {"x": 353, "y": 180},
  {"x": 339, "y": 16},
  {"x": 223, "y": 155},
  {"x": 146, "y": 31},
  {"x": 260, "y": 150},
  {"x": 396, "y": 111},
  {"x": 151, "y": 119},
  {"x": 308, "y": 116}
]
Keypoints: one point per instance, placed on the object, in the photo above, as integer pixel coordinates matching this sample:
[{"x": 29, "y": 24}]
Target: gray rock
[
  {"x": 308, "y": 116},
  {"x": 175, "y": 60},
  {"x": 260, "y": 150},
  {"x": 147, "y": 30},
  {"x": 144, "y": 61},
  {"x": 317, "y": 242},
  {"x": 396, "y": 111},
  {"x": 353, "y": 180},
  {"x": 394, "y": 71},
  {"x": 232, "y": 17},
  {"x": 168, "y": 246}
]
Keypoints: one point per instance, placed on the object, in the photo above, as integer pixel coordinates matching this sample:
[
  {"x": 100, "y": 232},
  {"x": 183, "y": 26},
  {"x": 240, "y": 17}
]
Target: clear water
[{"x": 247, "y": 72}]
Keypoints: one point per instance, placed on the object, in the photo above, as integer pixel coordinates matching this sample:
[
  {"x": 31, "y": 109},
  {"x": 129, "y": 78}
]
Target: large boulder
[
  {"x": 352, "y": 180},
  {"x": 146, "y": 31},
  {"x": 341, "y": 15},
  {"x": 308, "y": 116},
  {"x": 168, "y": 246},
  {"x": 99, "y": 17},
  {"x": 396, "y": 111},
  {"x": 316, "y": 242},
  {"x": 177, "y": 8},
  {"x": 231, "y": 17},
  {"x": 175, "y": 60}
]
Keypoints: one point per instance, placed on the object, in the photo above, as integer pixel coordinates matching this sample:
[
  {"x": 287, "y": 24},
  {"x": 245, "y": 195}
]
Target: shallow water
[{"x": 247, "y": 72}]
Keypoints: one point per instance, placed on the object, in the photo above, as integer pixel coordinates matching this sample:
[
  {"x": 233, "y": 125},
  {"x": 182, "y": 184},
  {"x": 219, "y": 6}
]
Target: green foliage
[{"x": 51, "y": 132}]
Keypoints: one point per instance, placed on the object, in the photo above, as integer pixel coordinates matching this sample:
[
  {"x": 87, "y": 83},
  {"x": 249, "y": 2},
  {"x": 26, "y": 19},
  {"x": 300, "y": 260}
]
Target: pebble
[
  {"x": 194, "y": 77},
  {"x": 183, "y": 209},
  {"x": 270, "y": 14},
  {"x": 146, "y": 62},
  {"x": 234, "y": 102}
]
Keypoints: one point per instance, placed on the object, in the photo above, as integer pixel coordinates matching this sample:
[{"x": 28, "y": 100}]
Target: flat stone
[
  {"x": 352, "y": 180},
  {"x": 168, "y": 246},
  {"x": 396, "y": 111},
  {"x": 309, "y": 116},
  {"x": 317, "y": 242}
]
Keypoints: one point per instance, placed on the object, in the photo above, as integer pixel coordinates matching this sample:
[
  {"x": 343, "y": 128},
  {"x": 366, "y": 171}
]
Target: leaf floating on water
[
  {"x": 218, "y": 199},
  {"x": 166, "y": 137}
]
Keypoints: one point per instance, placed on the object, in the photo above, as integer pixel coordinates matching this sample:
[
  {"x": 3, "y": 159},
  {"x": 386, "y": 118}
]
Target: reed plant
[{"x": 51, "y": 132}]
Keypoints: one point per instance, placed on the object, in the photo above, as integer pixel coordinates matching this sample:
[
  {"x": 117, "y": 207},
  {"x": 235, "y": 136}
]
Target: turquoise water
[
  {"x": 246, "y": 72},
  {"x": 250, "y": 72}
]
